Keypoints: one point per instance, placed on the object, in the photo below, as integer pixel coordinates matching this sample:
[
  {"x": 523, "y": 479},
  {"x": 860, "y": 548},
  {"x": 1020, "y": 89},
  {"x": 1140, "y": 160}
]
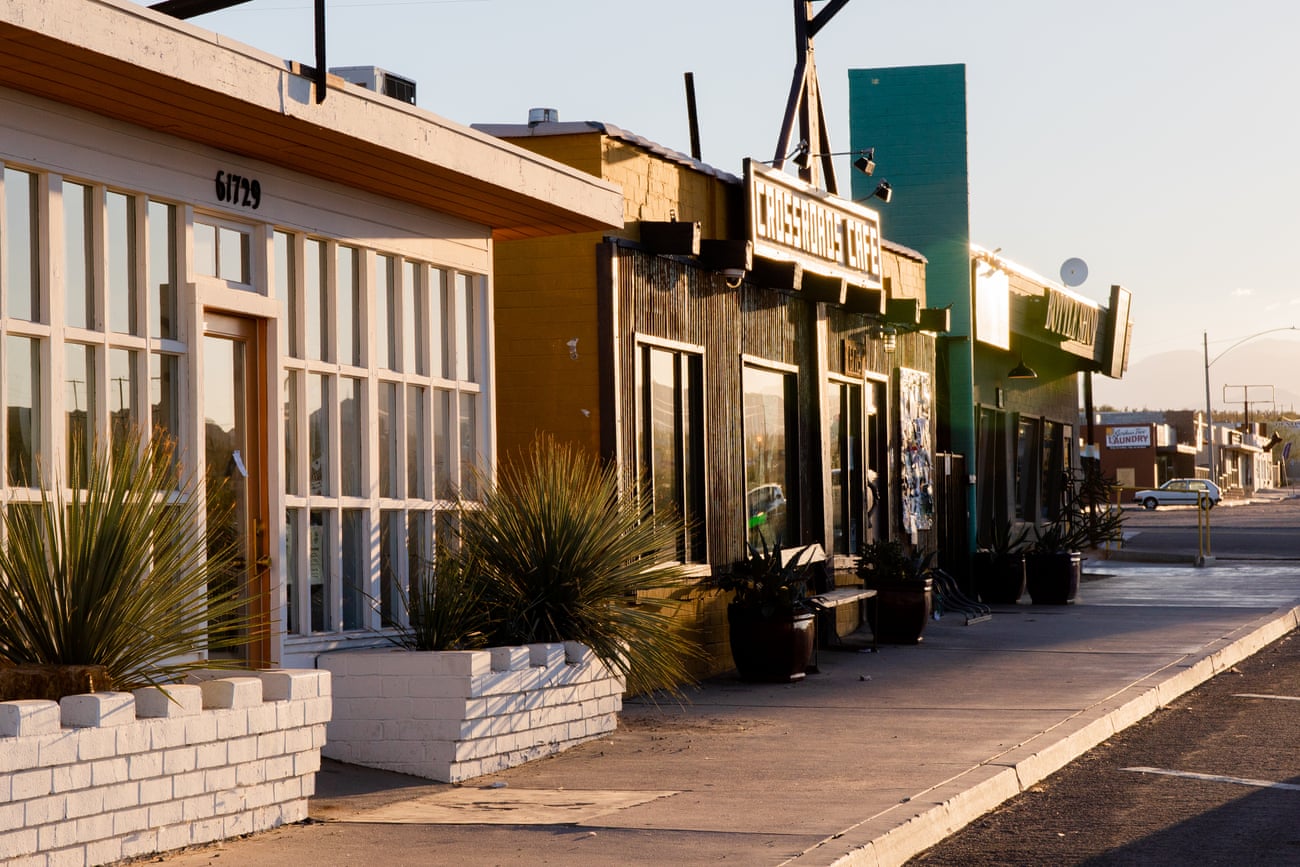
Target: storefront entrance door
[{"x": 234, "y": 413}]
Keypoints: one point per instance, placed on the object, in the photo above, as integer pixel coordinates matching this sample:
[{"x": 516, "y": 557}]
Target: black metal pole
[
  {"x": 320, "y": 51},
  {"x": 691, "y": 116}
]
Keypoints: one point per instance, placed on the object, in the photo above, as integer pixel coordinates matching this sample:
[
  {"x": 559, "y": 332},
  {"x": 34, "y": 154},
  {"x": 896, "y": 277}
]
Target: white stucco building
[{"x": 299, "y": 293}]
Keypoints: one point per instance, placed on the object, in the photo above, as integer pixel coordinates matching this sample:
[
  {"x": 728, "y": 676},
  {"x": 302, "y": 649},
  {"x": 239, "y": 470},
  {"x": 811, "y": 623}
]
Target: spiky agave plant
[
  {"x": 444, "y": 606},
  {"x": 113, "y": 572},
  {"x": 563, "y": 557}
]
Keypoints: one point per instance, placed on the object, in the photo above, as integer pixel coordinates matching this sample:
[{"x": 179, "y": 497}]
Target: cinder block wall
[
  {"x": 100, "y": 777},
  {"x": 455, "y": 715}
]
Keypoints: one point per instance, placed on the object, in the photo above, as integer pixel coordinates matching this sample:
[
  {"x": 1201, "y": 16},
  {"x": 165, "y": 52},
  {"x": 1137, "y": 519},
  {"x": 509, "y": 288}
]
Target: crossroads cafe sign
[{"x": 791, "y": 221}]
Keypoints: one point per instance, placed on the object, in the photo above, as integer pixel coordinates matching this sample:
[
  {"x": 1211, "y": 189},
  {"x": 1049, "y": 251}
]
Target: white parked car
[{"x": 1180, "y": 492}]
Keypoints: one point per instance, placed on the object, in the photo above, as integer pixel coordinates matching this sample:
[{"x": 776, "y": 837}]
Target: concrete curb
[{"x": 928, "y": 827}]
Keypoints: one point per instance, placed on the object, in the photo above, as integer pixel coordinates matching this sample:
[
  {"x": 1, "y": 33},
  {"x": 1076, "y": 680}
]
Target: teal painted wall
[{"x": 915, "y": 118}]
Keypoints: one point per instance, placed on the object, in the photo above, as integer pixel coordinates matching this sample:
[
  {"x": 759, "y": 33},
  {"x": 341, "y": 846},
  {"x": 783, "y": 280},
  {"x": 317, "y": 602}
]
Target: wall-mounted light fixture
[
  {"x": 1022, "y": 371},
  {"x": 883, "y": 191},
  {"x": 802, "y": 156}
]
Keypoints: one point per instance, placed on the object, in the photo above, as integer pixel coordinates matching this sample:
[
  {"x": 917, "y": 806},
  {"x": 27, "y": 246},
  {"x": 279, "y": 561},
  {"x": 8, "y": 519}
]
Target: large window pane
[
  {"x": 322, "y": 605},
  {"x": 164, "y": 394},
  {"x": 392, "y": 545},
  {"x": 121, "y": 246},
  {"x": 223, "y": 251},
  {"x": 316, "y": 298},
  {"x": 122, "y": 382},
  {"x": 287, "y": 291},
  {"x": 292, "y": 561},
  {"x": 292, "y": 385},
  {"x": 466, "y": 316},
  {"x": 665, "y": 452},
  {"x": 349, "y": 307},
  {"x": 389, "y": 448},
  {"x": 205, "y": 249},
  {"x": 79, "y": 407},
  {"x": 23, "y": 378},
  {"x": 233, "y": 255},
  {"x": 318, "y": 433},
  {"x": 21, "y": 283},
  {"x": 445, "y": 475},
  {"x": 419, "y": 548},
  {"x": 162, "y": 270},
  {"x": 356, "y": 562},
  {"x": 440, "y": 305},
  {"x": 417, "y": 465},
  {"x": 78, "y": 268},
  {"x": 415, "y": 314},
  {"x": 386, "y": 313},
  {"x": 468, "y": 445},
  {"x": 351, "y": 429},
  {"x": 769, "y": 438},
  {"x": 670, "y": 445}
]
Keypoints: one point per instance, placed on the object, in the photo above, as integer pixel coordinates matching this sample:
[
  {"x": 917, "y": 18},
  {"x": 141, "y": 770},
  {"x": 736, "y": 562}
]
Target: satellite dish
[{"x": 1074, "y": 272}]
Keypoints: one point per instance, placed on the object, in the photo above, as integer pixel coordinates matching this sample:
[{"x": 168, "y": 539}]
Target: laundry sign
[{"x": 1130, "y": 437}]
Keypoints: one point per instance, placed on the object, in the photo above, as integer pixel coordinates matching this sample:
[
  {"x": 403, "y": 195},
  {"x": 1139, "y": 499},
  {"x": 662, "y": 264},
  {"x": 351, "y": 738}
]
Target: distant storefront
[{"x": 748, "y": 350}]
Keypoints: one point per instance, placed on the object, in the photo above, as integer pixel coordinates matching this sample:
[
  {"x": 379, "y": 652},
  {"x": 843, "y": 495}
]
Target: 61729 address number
[{"x": 238, "y": 190}]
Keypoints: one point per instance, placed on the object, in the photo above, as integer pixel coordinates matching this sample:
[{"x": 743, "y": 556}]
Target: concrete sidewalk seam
[{"x": 926, "y": 829}]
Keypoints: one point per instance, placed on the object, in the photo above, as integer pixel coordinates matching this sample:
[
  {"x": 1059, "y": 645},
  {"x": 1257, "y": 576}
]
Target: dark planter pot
[
  {"x": 999, "y": 580},
  {"x": 770, "y": 649},
  {"x": 1053, "y": 579},
  {"x": 900, "y": 610}
]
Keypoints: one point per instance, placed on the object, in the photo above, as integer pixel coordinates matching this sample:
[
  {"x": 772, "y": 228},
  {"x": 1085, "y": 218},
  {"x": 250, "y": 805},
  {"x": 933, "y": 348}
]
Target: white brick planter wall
[
  {"x": 455, "y": 715},
  {"x": 110, "y": 775}
]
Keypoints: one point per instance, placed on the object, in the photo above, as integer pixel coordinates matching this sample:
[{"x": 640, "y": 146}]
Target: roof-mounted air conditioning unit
[{"x": 378, "y": 80}]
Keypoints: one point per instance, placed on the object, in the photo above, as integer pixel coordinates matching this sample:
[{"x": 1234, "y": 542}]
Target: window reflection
[
  {"x": 78, "y": 265},
  {"x": 318, "y": 427},
  {"x": 162, "y": 270},
  {"x": 417, "y": 468},
  {"x": 349, "y": 324},
  {"x": 120, "y": 243},
  {"x": 316, "y": 299},
  {"x": 389, "y": 453},
  {"x": 465, "y": 316},
  {"x": 386, "y": 313},
  {"x": 356, "y": 561},
  {"x": 122, "y": 382},
  {"x": 79, "y": 403},
  {"x": 23, "y": 419},
  {"x": 22, "y": 286},
  {"x": 769, "y": 437},
  {"x": 351, "y": 429},
  {"x": 468, "y": 445}
]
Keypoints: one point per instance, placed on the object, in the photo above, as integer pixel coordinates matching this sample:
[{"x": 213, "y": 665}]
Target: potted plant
[
  {"x": 1054, "y": 561},
  {"x": 1000, "y": 566},
  {"x": 771, "y": 623},
  {"x": 1053, "y": 564},
  {"x": 904, "y": 586}
]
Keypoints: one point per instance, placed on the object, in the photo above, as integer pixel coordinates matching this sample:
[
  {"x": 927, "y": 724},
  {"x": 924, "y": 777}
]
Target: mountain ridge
[{"x": 1176, "y": 380}]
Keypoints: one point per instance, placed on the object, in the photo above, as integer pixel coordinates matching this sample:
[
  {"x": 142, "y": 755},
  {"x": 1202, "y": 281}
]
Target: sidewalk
[{"x": 869, "y": 762}]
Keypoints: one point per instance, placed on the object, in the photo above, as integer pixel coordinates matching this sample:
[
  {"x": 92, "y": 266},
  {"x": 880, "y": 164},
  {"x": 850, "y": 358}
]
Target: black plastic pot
[
  {"x": 770, "y": 649},
  {"x": 999, "y": 580},
  {"x": 1053, "y": 578},
  {"x": 900, "y": 610}
]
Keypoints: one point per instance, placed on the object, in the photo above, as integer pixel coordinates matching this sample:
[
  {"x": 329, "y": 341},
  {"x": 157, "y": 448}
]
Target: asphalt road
[
  {"x": 1219, "y": 784},
  {"x": 1253, "y": 531}
]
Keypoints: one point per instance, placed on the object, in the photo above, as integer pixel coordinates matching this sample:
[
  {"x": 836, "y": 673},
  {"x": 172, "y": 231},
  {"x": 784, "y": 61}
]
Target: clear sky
[{"x": 1157, "y": 140}]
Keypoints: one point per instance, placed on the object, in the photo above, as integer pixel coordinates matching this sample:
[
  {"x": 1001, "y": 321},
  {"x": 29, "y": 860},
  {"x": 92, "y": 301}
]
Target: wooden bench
[{"x": 827, "y": 602}]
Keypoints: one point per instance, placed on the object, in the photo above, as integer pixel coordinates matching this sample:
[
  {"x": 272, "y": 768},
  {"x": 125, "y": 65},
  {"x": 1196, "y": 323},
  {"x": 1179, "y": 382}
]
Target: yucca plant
[
  {"x": 112, "y": 572},
  {"x": 563, "y": 557}
]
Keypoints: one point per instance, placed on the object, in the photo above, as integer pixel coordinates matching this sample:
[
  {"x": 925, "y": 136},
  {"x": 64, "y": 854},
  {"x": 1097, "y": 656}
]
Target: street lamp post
[{"x": 1209, "y": 411}]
